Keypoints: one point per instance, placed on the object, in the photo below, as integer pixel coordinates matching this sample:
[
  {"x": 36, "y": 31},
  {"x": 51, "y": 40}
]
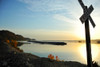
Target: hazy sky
[{"x": 48, "y": 19}]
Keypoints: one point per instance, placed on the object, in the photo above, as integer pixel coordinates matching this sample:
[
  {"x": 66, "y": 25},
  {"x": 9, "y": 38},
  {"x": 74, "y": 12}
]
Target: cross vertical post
[{"x": 88, "y": 44}]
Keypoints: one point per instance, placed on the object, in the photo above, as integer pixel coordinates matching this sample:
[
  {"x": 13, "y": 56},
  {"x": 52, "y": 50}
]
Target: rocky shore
[{"x": 11, "y": 57}]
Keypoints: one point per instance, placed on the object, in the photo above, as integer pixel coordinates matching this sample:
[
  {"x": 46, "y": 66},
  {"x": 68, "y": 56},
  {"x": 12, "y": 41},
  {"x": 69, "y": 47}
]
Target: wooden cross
[{"x": 84, "y": 19}]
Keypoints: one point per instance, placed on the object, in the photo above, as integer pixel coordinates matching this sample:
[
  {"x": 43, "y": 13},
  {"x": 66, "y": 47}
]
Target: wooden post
[
  {"x": 86, "y": 18},
  {"x": 88, "y": 44}
]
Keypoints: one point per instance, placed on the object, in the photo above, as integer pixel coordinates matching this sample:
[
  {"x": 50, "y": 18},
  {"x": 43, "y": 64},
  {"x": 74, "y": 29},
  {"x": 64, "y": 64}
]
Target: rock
[
  {"x": 28, "y": 59},
  {"x": 7, "y": 35},
  {"x": 4, "y": 63},
  {"x": 14, "y": 52}
]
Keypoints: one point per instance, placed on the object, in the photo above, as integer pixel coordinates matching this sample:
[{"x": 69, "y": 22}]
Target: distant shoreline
[{"x": 46, "y": 42}]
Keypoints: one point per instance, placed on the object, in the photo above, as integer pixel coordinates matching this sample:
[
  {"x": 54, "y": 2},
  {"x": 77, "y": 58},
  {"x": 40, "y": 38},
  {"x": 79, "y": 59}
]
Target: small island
[{"x": 52, "y": 43}]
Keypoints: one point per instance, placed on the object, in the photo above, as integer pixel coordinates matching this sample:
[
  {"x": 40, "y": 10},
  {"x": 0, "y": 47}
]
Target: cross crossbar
[
  {"x": 86, "y": 11},
  {"x": 86, "y": 14}
]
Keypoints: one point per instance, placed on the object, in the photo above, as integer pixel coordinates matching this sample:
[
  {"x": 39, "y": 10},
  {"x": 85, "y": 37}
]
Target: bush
[
  {"x": 7, "y": 41},
  {"x": 14, "y": 43},
  {"x": 52, "y": 57}
]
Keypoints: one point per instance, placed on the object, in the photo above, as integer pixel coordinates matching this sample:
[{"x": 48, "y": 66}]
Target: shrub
[
  {"x": 57, "y": 59},
  {"x": 14, "y": 43},
  {"x": 7, "y": 41},
  {"x": 52, "y": 57}
]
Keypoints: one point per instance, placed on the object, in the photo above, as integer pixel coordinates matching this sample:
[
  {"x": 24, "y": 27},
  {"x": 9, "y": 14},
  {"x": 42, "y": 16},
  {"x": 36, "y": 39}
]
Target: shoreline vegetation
[{"x": 12, "y": 56}]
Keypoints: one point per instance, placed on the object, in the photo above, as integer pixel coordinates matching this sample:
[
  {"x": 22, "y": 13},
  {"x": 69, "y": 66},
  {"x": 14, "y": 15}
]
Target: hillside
[{"x": 7, "y": 35}]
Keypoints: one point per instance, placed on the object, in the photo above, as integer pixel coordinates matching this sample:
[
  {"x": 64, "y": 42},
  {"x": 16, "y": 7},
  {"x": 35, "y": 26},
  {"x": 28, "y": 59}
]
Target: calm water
[{"x": 73, "y": 51}]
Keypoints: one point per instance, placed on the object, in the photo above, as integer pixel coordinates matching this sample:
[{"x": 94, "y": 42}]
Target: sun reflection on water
[{"x": 94, "y": 49}]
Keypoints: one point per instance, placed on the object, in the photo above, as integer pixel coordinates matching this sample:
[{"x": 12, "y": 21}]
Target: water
[{"x": 73, "y": 51}]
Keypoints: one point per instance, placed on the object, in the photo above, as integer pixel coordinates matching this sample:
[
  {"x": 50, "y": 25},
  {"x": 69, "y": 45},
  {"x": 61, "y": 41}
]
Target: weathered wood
[
  {"x": 86, "y": 14},
  {"x": 84, "y": 18},
  {"x": 92, "y": 22},
  {"x": 82, "y": 4},
  {"x": 85, "y": 10},
  {"x": 88, "y": 44}
]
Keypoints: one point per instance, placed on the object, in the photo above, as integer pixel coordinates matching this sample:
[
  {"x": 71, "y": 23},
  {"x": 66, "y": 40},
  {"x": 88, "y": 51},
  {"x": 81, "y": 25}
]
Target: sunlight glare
[
  {"x": 95, "y": 51},
  {"x": 80, "y": 31}
]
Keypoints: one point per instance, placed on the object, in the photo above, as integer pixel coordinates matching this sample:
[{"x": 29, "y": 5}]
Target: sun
[
  {"x": 94, "y": 49},
  {"x": 80, "y": 31}
]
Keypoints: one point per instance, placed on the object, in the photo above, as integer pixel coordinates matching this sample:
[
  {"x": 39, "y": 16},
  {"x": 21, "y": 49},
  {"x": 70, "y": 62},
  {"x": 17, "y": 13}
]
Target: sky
[{"x": 48, "y": 19}]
